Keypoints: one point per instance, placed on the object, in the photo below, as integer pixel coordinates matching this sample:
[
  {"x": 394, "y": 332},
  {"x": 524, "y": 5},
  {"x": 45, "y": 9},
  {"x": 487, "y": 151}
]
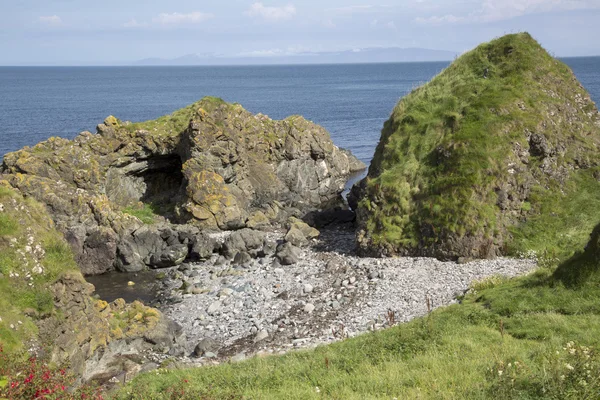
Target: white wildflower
[{"x": 569, "y": 367}]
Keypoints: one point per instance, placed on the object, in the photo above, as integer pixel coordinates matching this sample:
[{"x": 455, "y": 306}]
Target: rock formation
[
  {"x": 210, "y": 166},
  {"x": 46, "y": 303},
  {"x": 506, "y": 134}
]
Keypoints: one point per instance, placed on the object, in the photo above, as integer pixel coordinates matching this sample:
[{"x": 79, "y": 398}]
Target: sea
[{"x": 351, "y": 101}]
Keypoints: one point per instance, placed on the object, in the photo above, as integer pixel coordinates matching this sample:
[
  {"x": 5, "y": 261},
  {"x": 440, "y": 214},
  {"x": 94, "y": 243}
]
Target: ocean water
[{"x": 350, "y": 101}]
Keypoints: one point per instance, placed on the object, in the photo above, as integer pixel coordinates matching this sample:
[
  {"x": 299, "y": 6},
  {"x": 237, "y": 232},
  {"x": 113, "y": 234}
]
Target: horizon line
[{"x": 238, "y": 65}]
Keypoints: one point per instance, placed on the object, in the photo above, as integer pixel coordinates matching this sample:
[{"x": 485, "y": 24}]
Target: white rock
[
  {"x": 214, "y": 307},
  {"x": 260, "y": 336},
  {"x": 309, "y": 308}
]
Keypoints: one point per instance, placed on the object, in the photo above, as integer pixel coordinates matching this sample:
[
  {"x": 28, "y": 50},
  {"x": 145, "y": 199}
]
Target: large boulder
[
  {"x": 472, "y": 163},
  {"x": 245, "y": 240},
  {"x": 211, "y": 165}
]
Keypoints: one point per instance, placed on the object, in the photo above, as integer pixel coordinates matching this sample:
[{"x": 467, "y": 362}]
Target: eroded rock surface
[{"x": 210, "y": 166}]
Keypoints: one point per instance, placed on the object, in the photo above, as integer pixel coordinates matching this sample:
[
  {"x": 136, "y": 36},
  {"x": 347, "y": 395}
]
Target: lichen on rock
[{"x": 211, "y": 165}]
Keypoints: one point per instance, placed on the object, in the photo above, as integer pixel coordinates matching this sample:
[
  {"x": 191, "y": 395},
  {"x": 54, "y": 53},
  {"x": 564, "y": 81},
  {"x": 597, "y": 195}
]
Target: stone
[
  {"x": 169, "y": 257},
  {"x": 308, "y": 288},
  {"x": 205, "y": 346},
  {"x": 269, "y": 248},
  {"x": 296, "y": 237},
  {"x": 258, "y": 220},
  {"x": 203, "y": 247},
  {"x": 238, "y": 357},
  {"x": 198, "y": 290},
  {"x": 242, "y": 258},
  {"x": 213, "y": 307},
  {"x": 225, "y": 292},
  {"x": 260, "y": 336},
  {"x": 309, "y": 308},
  {"x": 288, "y": 254},
  {"x": 307, "y": 231},
  {"x": 244, "y": 240}
]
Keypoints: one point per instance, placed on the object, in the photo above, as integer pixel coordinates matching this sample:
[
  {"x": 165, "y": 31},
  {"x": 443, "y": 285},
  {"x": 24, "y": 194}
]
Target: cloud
[
  {"x": 328, "y": 23},
  {"x": 179, "y": 18},
  {"x": 134, "y": 24},
  {"x": 50, "y": 20},
  {"x": 358, "y": 9},
  {"x": 271, "y": 13},
  {"x": 495, "y": 10},
  {"x": 389, "y": 25},
  {"x": 352, "y": 9}
]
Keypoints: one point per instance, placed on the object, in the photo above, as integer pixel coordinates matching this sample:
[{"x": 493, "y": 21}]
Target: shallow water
[{"x": 114, "y": 285}]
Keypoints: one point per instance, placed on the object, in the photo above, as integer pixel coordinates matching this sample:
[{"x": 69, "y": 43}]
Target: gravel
[{"x": 330, "y": 294}]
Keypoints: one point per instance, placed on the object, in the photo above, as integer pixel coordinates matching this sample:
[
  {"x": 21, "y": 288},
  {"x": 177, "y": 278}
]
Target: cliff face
[
  {"x": 469, "y": 163},
  {"x": 45, "y": 302},
  {"x": 211, "y": 165}
]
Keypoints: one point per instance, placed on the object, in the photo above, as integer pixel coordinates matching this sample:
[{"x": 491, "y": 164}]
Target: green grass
[
  {"x": 508, "y": 339},
  {"x": 563, "y": 218},
  {"x": 446, "y": 149},
  {"x": 179, "y": 120},
  {"x": 147, "y": 213},
  {"x": 23, "y": 300},
  {"x": 8, "y": 225}
]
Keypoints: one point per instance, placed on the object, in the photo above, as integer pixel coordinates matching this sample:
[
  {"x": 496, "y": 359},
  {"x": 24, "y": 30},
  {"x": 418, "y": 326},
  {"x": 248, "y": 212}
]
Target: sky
[{"x": 111, "y": 32}]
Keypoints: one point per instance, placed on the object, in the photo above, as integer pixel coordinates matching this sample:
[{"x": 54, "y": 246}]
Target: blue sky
[{"x": 104, "y": 32}]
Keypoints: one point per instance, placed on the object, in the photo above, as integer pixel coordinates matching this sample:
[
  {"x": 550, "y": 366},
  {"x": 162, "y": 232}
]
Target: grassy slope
[
  {"x": 521, "y": 327},
  {"x": 448, "y": 144},
  {"x": 24, "y": 225}
]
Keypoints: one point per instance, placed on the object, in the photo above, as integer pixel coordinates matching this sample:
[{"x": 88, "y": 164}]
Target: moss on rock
[{"x": 475, "y": 162}]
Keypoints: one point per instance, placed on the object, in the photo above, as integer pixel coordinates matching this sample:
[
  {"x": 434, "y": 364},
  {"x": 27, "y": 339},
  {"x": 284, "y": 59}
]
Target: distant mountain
[{"x": 368, "y": 55}]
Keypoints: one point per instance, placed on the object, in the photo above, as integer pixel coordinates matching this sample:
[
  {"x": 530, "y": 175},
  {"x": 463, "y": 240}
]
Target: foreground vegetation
[
  {"x": 530, "y": 337},
  {"x": 32, "y": 256}
]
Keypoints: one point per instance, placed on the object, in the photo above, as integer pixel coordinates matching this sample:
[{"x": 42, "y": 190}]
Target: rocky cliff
[
  {"x": 46, "y": 305},
  {"x": 210, "y": 166},
  {"x": 498, "y": 152}
]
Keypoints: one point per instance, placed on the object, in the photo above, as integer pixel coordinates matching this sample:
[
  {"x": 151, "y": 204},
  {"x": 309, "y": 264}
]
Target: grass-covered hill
[
  {"x": 496, "y": 154},
  {"x": 534, "y": 337}
]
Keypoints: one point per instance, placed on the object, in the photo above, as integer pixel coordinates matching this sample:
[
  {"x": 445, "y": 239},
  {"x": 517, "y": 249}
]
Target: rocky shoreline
[{"x": 229, "y": 312}]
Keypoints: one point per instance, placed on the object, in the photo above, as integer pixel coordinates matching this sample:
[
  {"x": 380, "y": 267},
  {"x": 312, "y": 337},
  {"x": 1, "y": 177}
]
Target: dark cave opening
[{"x": 157, "y": 182}]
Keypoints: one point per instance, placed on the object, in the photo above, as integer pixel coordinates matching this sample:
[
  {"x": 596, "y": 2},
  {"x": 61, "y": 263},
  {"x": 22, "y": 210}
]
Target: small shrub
[{"x": 32, "y": 378}]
